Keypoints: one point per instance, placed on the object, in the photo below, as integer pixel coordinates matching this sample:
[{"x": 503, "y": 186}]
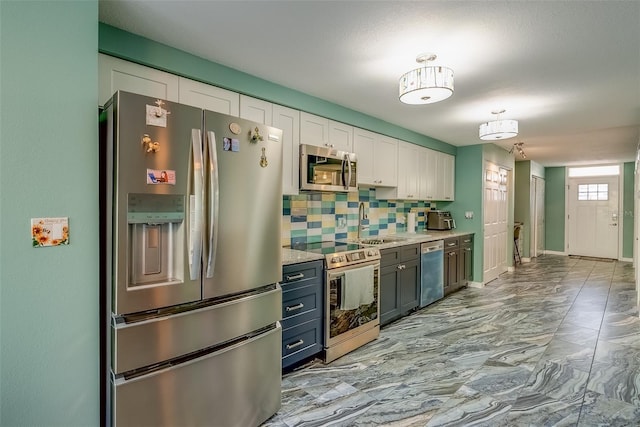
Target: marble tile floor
[{"x": 554, "y": 343}]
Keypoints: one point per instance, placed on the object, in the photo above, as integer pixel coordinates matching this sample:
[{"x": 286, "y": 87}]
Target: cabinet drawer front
[
  {"x": 451, "y": 243},
  {"x": 466, "y": 240},
  {"x": 301, "y": 305},
  {"x": 295, "y": 274},
  {"x": 409, "y": 252},
  {"x": 301, "y": 341},
  {"x": 389, "y": 256}
]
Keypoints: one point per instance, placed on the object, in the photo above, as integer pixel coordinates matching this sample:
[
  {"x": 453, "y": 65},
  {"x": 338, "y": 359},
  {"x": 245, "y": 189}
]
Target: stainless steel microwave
[{"x": 327, "y": 169}]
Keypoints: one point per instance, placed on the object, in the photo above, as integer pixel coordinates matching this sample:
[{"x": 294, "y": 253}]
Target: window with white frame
[{"x": 597, "y": 192}]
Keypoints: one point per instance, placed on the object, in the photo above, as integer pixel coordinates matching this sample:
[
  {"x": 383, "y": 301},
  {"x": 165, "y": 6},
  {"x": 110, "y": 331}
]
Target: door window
[{"x": 593, "y": 192}]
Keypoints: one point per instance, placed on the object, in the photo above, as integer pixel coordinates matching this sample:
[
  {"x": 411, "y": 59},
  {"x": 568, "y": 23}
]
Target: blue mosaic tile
[
  {"x": 298, "y": 218},
  {"x": 314, "y": 224},
  {"x": 298, "y": 240},
  {"x": 328, "y": 210},
  {"x": 340, "y": 236},
  {"x": 315, "y": 197},
  {"x": 352, "y": 205}
]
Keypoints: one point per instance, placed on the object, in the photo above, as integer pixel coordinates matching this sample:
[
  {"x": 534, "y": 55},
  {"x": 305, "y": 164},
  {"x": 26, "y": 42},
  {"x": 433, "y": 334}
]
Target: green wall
[
  {"x": 554, "y": 212},
  {"x": 122, "y": 44},
  {"x": 468, "y": 193},
  {"x": 49, "y": 344}
]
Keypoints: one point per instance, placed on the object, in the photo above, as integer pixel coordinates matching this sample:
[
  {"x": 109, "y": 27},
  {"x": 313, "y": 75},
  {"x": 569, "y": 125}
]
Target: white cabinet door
[
  {"x": 340, "y": 136},
  {"x": 288, "y": 120},
  {"x": 209, "y": 97},
  {"x": 116, "y": 74},
  {"x": 314, "y": 130},
  {"x": 445, "y": 179},
  {"x": 385, "y": 164},
  {"x": 408, "y": 156},
  {"x": 377, "y": 158},
  {"x": 408, "y": 162},
  {"x": 364, "y": 147},
  {"x": 322, "y": 132},
  {"x": 428, "y": 174},
  {"x": 256, "y": 110}
]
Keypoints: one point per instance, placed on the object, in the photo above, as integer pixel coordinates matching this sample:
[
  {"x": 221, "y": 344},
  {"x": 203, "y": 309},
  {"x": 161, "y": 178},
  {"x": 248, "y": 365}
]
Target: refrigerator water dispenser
[{"x": 155, "y": 231}]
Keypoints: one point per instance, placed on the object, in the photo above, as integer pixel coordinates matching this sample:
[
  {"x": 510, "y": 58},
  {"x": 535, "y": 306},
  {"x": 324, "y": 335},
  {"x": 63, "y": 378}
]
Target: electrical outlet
[{"x": 468, "y": 215}]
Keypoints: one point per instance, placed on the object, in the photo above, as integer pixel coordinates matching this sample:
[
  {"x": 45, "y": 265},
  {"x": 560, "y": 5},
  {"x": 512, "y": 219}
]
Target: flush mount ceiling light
[
  {"x": 518, "y": 147},
  {"x": 427, "y": 84},
  {"x": 498, "y": 129}
]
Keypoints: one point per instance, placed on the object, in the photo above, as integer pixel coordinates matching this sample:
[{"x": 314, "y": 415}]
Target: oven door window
[{"x": 343, "y": 317}]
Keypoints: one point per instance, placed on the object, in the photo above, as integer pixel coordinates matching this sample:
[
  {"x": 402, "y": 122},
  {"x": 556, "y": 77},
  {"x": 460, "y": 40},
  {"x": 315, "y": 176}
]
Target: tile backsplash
[{"x": 315, "y": 217}]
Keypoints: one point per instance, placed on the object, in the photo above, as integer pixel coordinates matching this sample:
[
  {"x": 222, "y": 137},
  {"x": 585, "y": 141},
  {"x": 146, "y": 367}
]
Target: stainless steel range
[{"x": 352, "y": 309}]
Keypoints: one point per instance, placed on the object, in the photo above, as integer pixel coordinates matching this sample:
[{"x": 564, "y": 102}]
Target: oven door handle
[{"x": 337, "y": 272}]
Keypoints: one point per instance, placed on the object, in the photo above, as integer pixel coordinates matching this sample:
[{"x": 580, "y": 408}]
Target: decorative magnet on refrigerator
[
  {"x": 263, "y": 159},
  {"x": 255, "y": 135},
  {"x": 49, "y": 232}
]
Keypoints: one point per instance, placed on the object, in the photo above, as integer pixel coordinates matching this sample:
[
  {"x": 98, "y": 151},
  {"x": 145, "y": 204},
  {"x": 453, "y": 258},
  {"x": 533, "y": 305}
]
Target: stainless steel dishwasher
[{"x": 432, "y": 272}]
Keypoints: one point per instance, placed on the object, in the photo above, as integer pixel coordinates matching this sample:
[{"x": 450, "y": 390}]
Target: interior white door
[
  {"x": 495, "y": 218},
  {"x": 538, "y": 217},
  {"x": 593, "y": 216}
]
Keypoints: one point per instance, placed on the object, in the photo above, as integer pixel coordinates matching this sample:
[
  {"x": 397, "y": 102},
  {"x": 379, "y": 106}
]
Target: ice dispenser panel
[{"x": 156, "y": 233}]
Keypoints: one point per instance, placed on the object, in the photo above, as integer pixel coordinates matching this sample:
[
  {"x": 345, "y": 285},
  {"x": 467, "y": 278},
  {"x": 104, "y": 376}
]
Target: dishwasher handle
[{"x": 438, "y": 245}]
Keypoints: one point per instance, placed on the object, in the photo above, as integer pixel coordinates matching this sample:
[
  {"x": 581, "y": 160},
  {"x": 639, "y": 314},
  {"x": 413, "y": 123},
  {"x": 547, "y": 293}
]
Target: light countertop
[{"x": 293, "y": 256}]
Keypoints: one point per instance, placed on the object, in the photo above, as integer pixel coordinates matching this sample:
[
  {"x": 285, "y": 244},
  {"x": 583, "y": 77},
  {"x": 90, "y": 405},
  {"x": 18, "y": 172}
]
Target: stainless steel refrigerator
[{"x": 191, "y": 217}]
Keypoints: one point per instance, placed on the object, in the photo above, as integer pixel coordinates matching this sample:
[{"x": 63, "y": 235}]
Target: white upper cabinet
[
  {"x": 408, "y": 174},
  {"x": 377, "y": 158},
  {"x": 256, "y": 110},
  {"x": 288, "y": 120},
  {"x": 445, "y": 183},
  {"x": 322, "y": 132},
  {"x": 340, "y": 136},
  {"x": 116, "y": 74},
  {"x": 437, "y": 179},
  {"x": 428, "y": 173},
  {"x": 209, "y": 97}
]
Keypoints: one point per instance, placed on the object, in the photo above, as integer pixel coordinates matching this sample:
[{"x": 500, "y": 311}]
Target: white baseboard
[
  {"x": 526, "y": 259},
  {"x": 475, "y": 285},
  {"x": 626, "y": 259},
  {"x": 548, "y": 252},
  {"x": 511, "y": 269}
]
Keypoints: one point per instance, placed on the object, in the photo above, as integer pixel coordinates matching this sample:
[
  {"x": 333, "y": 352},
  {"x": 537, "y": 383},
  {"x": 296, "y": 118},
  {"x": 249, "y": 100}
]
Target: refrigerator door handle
[
  {"x": 196, "y": 214},
  {"x": 213, "y": 199}
]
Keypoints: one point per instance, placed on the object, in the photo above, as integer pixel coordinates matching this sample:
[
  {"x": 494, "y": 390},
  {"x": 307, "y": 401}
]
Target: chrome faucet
[{"x": 361, "y": 217}]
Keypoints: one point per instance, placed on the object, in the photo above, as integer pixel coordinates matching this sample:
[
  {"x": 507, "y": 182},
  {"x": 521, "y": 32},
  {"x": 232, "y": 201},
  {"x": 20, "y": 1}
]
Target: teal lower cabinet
[
  {"x": 302, "y": 311},
  {"x": 399, "y": 282}
]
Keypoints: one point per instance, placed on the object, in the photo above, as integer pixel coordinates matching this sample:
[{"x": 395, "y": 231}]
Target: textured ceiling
[{"x": 568, "y": 71}]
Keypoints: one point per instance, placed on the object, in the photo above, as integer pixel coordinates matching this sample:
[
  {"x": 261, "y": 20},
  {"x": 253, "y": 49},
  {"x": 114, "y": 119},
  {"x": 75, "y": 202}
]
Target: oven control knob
[
  {"x": 371, "y": 252},
  {"x": 334, "y": 259}
]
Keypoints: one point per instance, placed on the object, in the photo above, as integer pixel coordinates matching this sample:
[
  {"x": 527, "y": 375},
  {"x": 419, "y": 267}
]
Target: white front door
[
  {"x": 593, "y": 216},
  {"x": 496, "y": 208}
]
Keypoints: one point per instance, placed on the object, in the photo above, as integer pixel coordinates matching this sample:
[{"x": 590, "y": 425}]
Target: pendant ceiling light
[
  {"x": 498, "y": 129},
  {"x": 427, "y": 84}
]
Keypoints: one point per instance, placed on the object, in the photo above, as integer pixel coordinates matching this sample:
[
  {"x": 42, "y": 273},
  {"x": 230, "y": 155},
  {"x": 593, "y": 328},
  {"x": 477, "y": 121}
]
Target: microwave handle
[{"x": 347, "y": 183}]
